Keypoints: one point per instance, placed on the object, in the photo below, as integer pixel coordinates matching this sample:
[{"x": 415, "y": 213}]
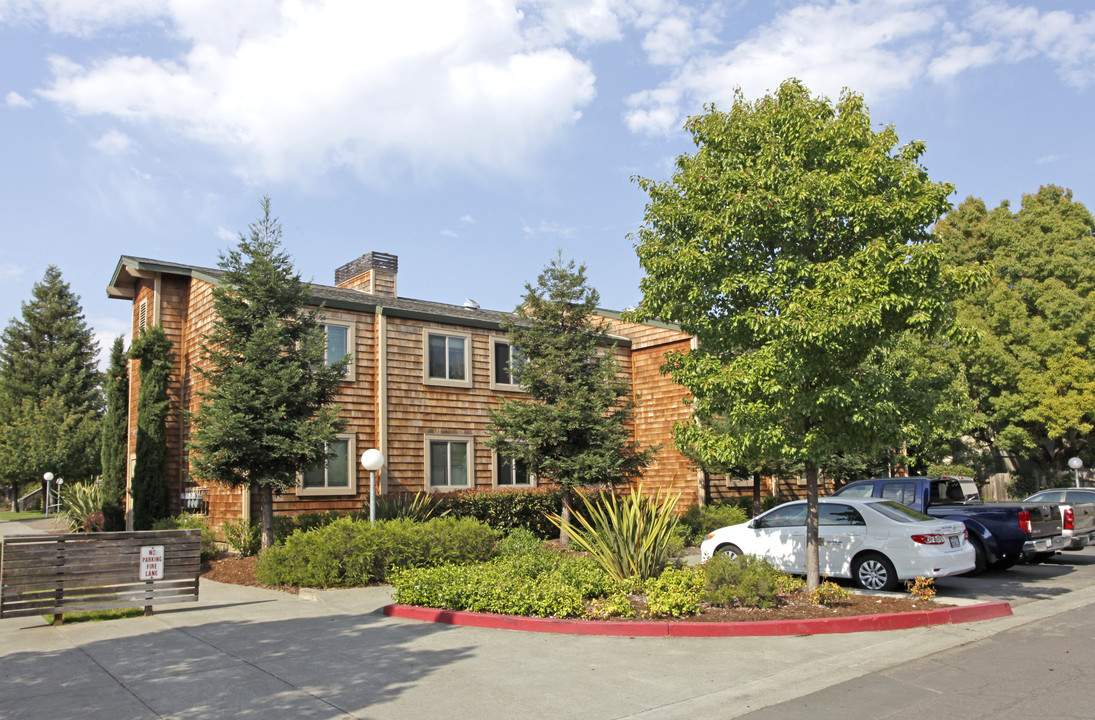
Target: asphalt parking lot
[{"x": 254, "y": 653}]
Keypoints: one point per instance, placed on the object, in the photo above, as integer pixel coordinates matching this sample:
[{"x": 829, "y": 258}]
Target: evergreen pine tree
[
  {"x": 151, "y": 500},
  {"x": 267, "y": 415},
  {"x": 114, "y": 444},
  {"x": 572, "y": 429},
  {"x": 50, "y": 399}
]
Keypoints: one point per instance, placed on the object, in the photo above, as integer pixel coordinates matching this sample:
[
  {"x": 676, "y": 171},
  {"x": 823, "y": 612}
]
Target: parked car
[
  {"x": 1000, "y": 532},
  {"x": 1077, "y": 517},
  {"x": 874, "y": 542}
]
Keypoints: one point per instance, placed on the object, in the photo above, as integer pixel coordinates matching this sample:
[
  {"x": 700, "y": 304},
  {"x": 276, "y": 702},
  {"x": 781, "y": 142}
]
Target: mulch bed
[{"x": 241, "y": 571}]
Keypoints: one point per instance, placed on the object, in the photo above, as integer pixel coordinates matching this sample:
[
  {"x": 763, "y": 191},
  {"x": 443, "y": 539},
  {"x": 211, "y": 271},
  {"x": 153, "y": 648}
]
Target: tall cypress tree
[
  {"x": 50, "y": 398},
  {"x": 150, "y": 492},
  {"x": 114, "y": 445}
]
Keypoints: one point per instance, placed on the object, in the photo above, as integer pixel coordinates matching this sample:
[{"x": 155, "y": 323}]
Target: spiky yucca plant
[
  {"x": 82, "y": 506},
  {"x": 419, "y": 507},
  {"x": 628, "y": 537}
]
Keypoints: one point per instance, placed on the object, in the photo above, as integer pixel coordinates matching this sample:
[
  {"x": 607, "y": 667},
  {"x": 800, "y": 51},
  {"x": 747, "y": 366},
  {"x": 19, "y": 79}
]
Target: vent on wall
[{"x": 142, "y": 316}]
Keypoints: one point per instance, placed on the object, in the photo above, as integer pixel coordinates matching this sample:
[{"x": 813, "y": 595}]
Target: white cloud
[
  {"x": 544, "y": 227},
  {"x": 449, "y": 233},
  {"x": 466, "y": 219},
  {"x": 14, "y": 100},
  {"x": 223, "y": 233},
  {"x": 105, "y": 330},
  {"x": 7, "y": 270},
  {"x": 81, "y": 17},
  {"x": 300, "y": 88},
  {"x": 876, "y": 47},
  {"x": 113, "y": 143}
]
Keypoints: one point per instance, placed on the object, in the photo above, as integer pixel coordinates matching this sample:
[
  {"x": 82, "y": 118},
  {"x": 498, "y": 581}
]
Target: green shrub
[
  {"x": 675, "y": 592},
  {"x": 349, "y": 552},
  {"x": 520, "y": 541},
  {"x": 505, "y": 509},
  {"x": 952, "y": 471},
  {"x": 744, "y": 580},
  {"x": 615, "y": 604},
  {"x": 243, "y": 535},
  {"x": 186, "y": 521},
  {"x": 537, "y": 584},
  {"x": 627, "y": 536},
  {"x": 700, "y": 520},
  {"x": 829, "y": 592}
]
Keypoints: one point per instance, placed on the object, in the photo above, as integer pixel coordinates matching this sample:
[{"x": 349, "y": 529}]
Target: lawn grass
[
  {"x": 21, "y": 516},
  {"x": 98, "y": 615}
]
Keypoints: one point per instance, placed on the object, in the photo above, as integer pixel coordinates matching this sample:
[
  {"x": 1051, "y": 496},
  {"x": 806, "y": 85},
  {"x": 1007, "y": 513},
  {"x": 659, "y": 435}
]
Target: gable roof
[{"x": 130, "y": 269}]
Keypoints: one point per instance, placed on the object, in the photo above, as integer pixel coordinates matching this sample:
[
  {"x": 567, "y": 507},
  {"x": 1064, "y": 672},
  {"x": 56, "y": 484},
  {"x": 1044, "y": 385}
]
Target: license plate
[{"x": 955, "y": 541}]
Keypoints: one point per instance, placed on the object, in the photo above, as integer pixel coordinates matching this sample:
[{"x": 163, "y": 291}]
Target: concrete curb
[{"x": 820, "y": 626}]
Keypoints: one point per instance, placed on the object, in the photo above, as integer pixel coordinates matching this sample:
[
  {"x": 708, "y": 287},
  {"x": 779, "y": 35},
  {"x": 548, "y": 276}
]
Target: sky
[{"x": 474, "y": 138}]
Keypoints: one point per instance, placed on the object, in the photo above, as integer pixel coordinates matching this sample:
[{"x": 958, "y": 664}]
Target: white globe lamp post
[
  {"x": 1076, "y": 463},
  {"x": 48, "y": 477},
  {"x": 372, "y": 460}
]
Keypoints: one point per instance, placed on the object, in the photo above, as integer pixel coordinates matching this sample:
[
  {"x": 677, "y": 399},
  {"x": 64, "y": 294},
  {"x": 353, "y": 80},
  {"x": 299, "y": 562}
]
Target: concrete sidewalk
[{"x": 253, "y": 653}]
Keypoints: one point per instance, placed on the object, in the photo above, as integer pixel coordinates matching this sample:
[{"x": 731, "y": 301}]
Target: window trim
[
  {"x": 494, "y": 455},
  {"x": 445, "y": 382},
  {"x": 469, "y": 441},
  {"x": 351, "y": 343},
  {"x": 496, "y": 340},
  {"x": 351, "y": 459}
]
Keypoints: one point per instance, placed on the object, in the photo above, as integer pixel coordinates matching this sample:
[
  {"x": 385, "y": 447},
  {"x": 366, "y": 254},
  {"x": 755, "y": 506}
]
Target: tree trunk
[
  {"x": 813, "y": 575},
  {"x": 756, "y": 492},
  {"x": 564, "y": 538},
  {"x": 266, "y": 502}
]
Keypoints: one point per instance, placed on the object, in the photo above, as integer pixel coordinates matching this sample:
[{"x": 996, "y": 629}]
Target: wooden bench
[{"x": 55, "y": 574}]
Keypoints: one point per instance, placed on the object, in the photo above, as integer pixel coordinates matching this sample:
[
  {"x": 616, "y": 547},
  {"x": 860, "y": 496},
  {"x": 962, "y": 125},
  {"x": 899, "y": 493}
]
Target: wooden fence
[{"x": 44, "y": 574}]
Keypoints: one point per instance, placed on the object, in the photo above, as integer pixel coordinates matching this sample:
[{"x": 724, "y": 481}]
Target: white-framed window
[
  {"x": 446, "y": 358},
  {"x": 450, "y": 462},
  {"x": 503, "y": 357},
  {"x": 340, "y": 344},
  {"x": 511, "y": 472},
  {"x": 336, "y": 476}
]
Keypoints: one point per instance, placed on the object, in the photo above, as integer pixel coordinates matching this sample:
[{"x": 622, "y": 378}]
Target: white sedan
[{"x": 874, "y": 542}]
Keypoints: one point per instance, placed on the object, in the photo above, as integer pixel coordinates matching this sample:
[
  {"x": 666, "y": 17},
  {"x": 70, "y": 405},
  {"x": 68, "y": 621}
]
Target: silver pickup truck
[{"x": 1077, "y": 517}]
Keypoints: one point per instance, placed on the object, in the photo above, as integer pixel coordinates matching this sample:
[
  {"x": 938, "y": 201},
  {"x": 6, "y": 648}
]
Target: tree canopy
[
  {"x": 795, "y": 245},
  {"x": 1031, "y": 369},
  {"x": 50, "y": 398},
  {"x": 151, "y": 499},
  {"x": 115, "y": 441},
  {"x": 572, "y": 426},
  {"x": 267, "y": 415}
]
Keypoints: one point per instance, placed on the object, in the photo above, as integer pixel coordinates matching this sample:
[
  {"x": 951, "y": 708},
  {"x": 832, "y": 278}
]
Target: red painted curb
[{"x": 661, "y": 628}]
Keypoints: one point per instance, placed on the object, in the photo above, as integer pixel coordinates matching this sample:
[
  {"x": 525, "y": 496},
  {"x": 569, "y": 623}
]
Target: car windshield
[{"x": 901, "y": 513}]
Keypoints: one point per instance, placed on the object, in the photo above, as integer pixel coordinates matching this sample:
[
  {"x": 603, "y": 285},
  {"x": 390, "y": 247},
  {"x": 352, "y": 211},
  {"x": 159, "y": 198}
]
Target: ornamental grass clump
[
  {"x": 82, "y": 506},
  {"x": 628, "y": 537}
]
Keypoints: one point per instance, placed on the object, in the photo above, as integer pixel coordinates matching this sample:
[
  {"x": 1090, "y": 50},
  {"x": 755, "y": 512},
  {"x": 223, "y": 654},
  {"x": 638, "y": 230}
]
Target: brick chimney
[{"x": 373, "y": 273}]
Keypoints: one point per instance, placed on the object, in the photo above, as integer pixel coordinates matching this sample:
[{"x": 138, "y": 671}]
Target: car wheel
[
  {"x": 874, "y": 572},
  {"x": 980, "y": 558},
  {"x": 729, "y": 550}
]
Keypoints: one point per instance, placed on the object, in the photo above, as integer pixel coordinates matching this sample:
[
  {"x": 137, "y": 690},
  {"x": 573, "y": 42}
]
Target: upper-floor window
[
  {"x": 339, "y": 345},
  {"x": 503, "y": 359},
  {"x": 448, "y": 359}
]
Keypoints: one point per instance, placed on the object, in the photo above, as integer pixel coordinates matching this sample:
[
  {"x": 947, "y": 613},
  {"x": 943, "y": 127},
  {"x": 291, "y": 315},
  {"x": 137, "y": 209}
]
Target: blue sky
[{"x": 473, "y": 138}]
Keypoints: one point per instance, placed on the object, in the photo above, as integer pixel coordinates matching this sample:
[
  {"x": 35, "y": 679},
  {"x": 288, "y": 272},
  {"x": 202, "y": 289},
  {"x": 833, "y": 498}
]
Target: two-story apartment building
[{"x": 422, "y": 378}]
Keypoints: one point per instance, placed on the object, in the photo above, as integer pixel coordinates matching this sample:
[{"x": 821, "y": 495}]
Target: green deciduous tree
[
  {"x": 1031, "y": 368},
  {"x": 795, "y": 245},
  {"x": 267, "y": 415},
  {"x": 50, "y": 399},
  {"x": 572, "y": 429},
  {"x": 115, "y": 440},
  {"x": 150, "y": 492}
]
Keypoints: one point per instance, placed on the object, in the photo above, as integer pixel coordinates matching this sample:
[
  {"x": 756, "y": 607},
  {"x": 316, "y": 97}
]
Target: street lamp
[
  {"x": 1076, "y": 463},
  {"x": 48, "y": 477},
  {"x": 372, "y": 460}
]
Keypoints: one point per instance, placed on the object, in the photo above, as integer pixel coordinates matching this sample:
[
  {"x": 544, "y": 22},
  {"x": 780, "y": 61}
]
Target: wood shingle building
[{"x": 421, "y": 380}]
